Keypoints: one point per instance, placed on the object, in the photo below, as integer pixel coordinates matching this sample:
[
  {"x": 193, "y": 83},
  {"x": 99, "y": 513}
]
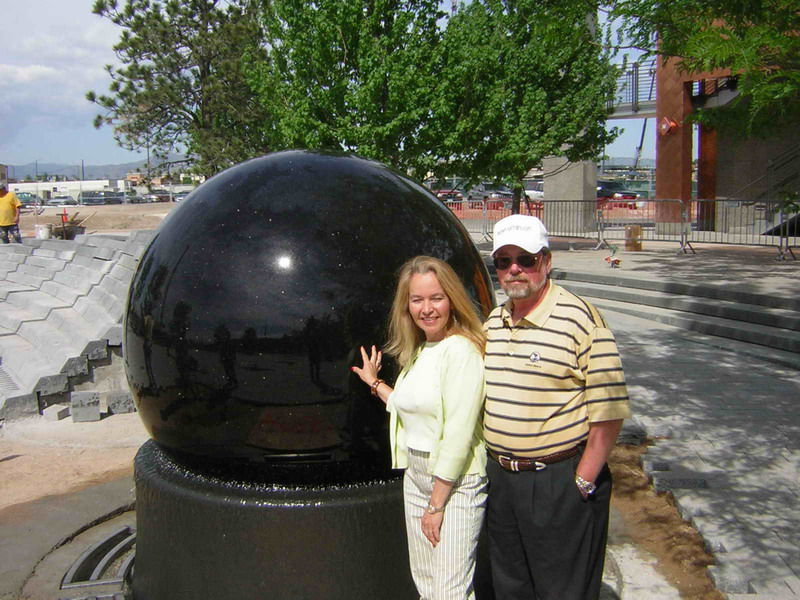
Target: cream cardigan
[{"x": 456, "y": 375}]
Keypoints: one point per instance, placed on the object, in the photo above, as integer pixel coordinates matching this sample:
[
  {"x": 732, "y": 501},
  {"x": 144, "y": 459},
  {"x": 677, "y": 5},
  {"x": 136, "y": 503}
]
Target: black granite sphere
[{"x": 248, "y": 308}]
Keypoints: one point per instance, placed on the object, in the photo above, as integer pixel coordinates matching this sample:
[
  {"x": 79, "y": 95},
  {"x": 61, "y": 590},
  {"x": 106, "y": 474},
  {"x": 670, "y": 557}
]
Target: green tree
[
  {"x": 353, "y": 75},
  {"x": 757, "y": 40},
  {"x": 182, "y": 86},
  {"x": 520, "y": 81}
]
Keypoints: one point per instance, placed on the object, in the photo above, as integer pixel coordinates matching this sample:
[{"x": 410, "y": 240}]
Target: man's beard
[{"x": 521, "y": 292}]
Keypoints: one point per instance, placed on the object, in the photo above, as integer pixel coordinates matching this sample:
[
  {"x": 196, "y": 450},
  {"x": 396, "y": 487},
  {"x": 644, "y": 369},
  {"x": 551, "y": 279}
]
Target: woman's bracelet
[
  {"x": 374, "y": 387},
  {"x": 432, "y": 510}
]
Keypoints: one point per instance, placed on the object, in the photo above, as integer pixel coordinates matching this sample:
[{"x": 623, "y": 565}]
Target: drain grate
[{"x": 101, "y": 571}]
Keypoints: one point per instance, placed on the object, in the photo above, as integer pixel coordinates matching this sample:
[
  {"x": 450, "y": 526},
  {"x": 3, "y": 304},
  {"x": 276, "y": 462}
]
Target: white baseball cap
[{"x": 526, "y": 232}]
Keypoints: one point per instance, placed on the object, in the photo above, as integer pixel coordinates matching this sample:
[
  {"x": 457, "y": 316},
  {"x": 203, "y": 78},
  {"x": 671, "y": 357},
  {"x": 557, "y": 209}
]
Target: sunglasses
[{"x": 526, "y": 261}]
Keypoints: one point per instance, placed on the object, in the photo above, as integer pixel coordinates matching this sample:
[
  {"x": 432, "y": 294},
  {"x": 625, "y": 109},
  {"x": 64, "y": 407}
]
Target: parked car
[
  {"x": 180, "y": 196},
  {"x": 498, "y": 196},
  {"x": 61, "y": 201},
  {"x": 449, "y": 195},
  {"x": 158, "y": 196},
  {"x": 616, "y": 193},
  {"x": 100, "y": 197},
  {"x": 534, "y": 189},
  {"x": 29, "y": 199}
]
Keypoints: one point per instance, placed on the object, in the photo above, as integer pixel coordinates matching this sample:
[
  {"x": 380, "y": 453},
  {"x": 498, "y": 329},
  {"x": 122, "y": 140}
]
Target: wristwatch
[
  {"x": 432, "y": 510},
  {"x": 587, "y": 487}
]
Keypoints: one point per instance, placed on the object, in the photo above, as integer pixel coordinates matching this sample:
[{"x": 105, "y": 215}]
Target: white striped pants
[{"x": 444, "y": 572}]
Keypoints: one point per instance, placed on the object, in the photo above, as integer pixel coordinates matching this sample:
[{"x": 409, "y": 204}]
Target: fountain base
[{"x": 200, "y": 536}]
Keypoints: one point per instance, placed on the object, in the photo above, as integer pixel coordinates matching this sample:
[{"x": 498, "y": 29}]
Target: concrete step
[
  {"x": 761, "y": 335},
  {"x": 95, "y": 313},
  {"x": 7, "y": 249},
  {"x": 37, "y": 302},
  {"x": 70, "y": 321},
  {"x": 37, "y": 271},
  {"x": 65, "y": 255},
  {"x": 95, "y": 264},
  {"x": 619, "y": 322},
  {"x": 46, "y": 262},
  {"x": 12, "y": 317},
  {"x": 6, "y": 287},
  {"x": 55, "y": 346},
  {"x": 61, "y": 291},
  {"x": 676, "y": 287},
  {"x": 113, "y": 305},
  {"x": 772, "y": 317},
  {"x": 25, "y": 363},
  {"x": 26, "y": 279},
  {"x": 10, "y": 262}
]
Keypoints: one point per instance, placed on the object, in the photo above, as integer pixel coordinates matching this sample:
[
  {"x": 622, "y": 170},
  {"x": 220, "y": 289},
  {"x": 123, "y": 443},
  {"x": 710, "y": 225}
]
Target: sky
[{"x": 55, "y": 51}]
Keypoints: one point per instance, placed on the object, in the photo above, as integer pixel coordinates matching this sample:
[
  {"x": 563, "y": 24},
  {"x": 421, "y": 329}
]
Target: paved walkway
[{"x": 727, "y": 425}]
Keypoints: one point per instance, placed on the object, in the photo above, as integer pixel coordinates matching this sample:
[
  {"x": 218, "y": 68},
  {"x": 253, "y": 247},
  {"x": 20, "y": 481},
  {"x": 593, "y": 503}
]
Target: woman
[{"x": 435, "y": 408}]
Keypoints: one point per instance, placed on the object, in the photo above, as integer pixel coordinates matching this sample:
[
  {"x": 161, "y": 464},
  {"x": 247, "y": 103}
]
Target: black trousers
[{"x": 545, "y": 541}]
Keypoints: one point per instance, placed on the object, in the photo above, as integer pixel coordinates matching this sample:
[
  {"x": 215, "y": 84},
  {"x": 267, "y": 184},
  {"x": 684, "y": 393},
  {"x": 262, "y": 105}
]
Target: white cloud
[
  {"x": 12, "y": 76},
  {"x": 55, "y": 52}
]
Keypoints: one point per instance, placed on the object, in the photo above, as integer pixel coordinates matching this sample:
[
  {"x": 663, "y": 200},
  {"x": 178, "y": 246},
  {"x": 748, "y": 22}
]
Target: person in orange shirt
[{"x": 9, "y": 214}]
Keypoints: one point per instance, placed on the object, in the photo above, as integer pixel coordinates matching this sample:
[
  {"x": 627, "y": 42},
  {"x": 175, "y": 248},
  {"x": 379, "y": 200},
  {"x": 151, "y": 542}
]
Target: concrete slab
[
  {"x": 85, "y": 406},
  {"x": 28, "y": 532},
  {"x": 56, "y": 412}
]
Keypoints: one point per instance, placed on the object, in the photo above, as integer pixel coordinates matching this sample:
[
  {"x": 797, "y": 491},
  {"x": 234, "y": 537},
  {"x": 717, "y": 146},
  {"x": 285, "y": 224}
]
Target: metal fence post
[
  {"x": 685, "y": 226},
  {"x": 601, "y": 241},
  {"x": 783, "y": 238},
  {"x": 486, "y": 236}
]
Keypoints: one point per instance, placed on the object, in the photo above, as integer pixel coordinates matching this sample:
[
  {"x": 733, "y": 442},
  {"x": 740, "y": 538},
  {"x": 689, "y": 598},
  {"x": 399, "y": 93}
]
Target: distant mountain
[{"x": 20, "y": 172}]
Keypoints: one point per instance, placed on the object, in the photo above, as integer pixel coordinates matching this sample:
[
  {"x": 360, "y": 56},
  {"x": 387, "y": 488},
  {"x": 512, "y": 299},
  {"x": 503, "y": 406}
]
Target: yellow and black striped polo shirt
[{"x": 549, "y": 376}]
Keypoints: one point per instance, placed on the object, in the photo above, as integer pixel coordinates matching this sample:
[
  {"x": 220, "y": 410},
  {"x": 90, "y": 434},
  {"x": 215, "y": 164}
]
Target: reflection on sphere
[{"x": 249, "y": 306}]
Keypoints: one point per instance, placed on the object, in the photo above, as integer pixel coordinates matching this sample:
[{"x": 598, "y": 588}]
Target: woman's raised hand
[{"x": 372, "y": 365}]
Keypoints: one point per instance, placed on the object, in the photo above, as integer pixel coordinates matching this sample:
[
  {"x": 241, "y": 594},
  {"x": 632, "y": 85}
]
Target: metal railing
[
  {"x": 635, "y": 89},
  {"x": 696, "y": 221}
]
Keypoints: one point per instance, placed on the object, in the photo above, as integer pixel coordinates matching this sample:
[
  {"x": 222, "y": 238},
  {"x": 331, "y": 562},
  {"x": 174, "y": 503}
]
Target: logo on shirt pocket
[{"x": 534, "y": 360}]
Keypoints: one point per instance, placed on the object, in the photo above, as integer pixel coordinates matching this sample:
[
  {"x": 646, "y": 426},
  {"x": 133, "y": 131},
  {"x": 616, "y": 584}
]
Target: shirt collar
[{"x": 540, "y": 313}]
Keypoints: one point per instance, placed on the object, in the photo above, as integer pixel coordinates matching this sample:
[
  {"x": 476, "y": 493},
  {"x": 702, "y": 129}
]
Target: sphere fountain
[{"x": 268, "y": 472}]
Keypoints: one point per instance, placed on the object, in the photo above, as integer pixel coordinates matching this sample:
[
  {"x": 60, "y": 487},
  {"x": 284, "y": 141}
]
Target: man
[
  {"x": 555, "y": 402},
  {"x": 9, "y": 214}
]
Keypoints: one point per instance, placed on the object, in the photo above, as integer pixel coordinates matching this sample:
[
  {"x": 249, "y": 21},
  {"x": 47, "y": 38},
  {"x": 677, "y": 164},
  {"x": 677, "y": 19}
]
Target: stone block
[
  {"x": 78, "y": 365},
  {"x": 120, "y": 403},
  {"x": 96, "y": 350},
  {"x": 668, "y": 481},
  {"x": 19, "y": 407},
  {"x": 729, "y": 578},
  {"x": 56, "y": 412},
  {"x": 127, "y": 261},
  {"x": 114, "y": 335},
  {"x": 52, "y": 384},
  {"x": 85, "y": 406}
]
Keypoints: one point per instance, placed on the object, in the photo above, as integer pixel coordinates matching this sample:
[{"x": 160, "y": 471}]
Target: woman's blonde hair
[{"x": 404, "y": 335}]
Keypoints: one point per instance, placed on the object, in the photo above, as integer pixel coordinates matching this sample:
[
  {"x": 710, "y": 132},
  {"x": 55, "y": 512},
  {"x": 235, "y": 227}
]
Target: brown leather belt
[{"x": 511, "y": 463}]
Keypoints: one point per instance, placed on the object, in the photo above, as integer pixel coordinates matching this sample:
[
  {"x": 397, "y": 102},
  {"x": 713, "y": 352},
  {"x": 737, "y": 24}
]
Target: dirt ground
[
  {"x": 51, "y": 458},
  {"x": 653, "y": 523},
  {"x": 115, "y": 217}
]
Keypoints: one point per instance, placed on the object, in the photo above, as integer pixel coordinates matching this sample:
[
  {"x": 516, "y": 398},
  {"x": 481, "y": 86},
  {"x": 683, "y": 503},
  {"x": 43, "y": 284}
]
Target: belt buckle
[{"x": 540, "y": 466}]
